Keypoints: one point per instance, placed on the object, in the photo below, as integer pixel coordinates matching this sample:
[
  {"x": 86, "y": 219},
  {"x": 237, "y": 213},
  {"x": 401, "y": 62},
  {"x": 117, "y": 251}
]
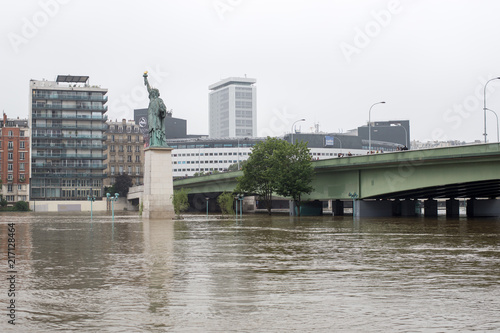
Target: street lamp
[
  {"x": 484, "y": 106},
  {"x": 370, "y": 125},
  {"x": 112, "y": 199},
  {"x": 294, "y": 125},
  {"x": 207, "y": 198},
  {"x": 498, "y": 138},
  {"x": 340, "y": 145},
  {"x": 91, "y": 198},
  {"x": 353, "y": 196}
]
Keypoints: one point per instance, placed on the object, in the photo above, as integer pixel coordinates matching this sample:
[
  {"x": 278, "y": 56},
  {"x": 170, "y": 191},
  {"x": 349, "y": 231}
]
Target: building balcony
[
  {"x": 63, "y": 166},
  {"x": 70, "y": 117},
  {"x": 66, "y": 97},
  {"x": 40, "y": 106},
  {"x": 95, "y": 127},
  {"x": 69, "y": 175},
  {"x": 70, "y": 156},
  {"x": 66, "y": 146}
]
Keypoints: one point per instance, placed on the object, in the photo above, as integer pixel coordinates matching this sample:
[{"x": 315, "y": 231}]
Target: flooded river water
[{"x": 258, "y": 274}]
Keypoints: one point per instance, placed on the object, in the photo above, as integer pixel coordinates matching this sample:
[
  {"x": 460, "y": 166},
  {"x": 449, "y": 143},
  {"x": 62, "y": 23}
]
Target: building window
[
  {"x": 112, "y": 138},
  {"x": 129, "y": 158},
  {"x": 21, "y": 156},
  {"x": 137, "y": 149},
  {"x": 121, "y": 149},
  {"x": 21, "y": 166},
  {"x": 21, "y": 133},
  {"x": 129, "y": 170},
  {"x": 10, "y": 198},
  {"x": 10, "y": 156},
  {"x": 137, "y": 170},
  {"x": 129, "y": 138},
  {"x": 120, "y": 168},
  {"x": 112, "y": 148},
  {"x": 11, "y": 133},
  {"x": 137, "y": 138},
  {"x": 21, "y": 145},
  {"x": 10, "y": 167},
  {"x": 137, "y": 158},
  {"x": 9, "y": 188},
  {"x": 10, "y": 176},
  {"x": 112, "y": 170},
  {"x": 129, "y": 149},
  {"x": 11, "y": 145}
]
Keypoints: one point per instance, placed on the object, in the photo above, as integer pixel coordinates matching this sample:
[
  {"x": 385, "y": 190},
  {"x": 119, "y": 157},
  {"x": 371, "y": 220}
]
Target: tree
[
  {"x": 22, "y": 206},
  {"x": 297, "y": 172},
  {"x": 225, "y": 201},
  {"x": 180, "y": 201},
  {"x": 261, "y": 171},
  {"x": 122, "y": 184},
  {"x": 3, "y": 201},
  {"x": 234, "y": 166}
]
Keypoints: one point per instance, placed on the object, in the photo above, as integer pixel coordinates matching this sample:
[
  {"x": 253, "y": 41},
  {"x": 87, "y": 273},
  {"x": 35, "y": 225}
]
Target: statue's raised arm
[{"x": 146, "y": 82}]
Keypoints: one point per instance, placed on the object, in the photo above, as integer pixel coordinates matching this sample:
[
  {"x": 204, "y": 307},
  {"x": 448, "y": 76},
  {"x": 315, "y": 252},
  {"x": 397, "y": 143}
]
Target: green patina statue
[{"x": 156, "y": 116}]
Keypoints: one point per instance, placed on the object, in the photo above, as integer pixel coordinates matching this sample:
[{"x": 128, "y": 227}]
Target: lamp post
[
  {"x": 340, "y": 145},
  {"x": 353, "y": 196},
  {"x": 294, "y": 125},
  {"x": 484, "y": 106},
  {"x": 370, "y": 125},
  {"x": 207, "y": 198},
  {"x": 91, "y": 198},
  {"x": 498, "y": 138},
  {"x": 240, "y": 198},
  {"x": 112, "y": 199}
]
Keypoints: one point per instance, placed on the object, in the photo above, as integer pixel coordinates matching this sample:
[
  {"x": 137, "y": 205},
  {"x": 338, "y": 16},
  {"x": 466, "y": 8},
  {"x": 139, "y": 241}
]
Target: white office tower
[{"x": 233, "y": 108}]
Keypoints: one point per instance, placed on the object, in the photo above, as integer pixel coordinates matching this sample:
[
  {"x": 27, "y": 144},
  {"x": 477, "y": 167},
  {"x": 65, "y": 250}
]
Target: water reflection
[{"x": 260, "y": 274}]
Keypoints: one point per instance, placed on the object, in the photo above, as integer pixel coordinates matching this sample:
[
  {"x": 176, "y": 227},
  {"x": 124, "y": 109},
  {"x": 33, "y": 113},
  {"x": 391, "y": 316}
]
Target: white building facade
[{"x": 233, "y": 108}]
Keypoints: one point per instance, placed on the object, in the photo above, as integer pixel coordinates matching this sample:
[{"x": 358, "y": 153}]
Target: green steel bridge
[{"x": 471, "y": 172}]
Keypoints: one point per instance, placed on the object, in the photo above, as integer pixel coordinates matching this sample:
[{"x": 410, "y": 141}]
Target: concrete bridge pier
[
  {"x": 430, "y": 208},
  {"x": 483, "y": 208},
  {"x": 374, "y": 208},
  {"x": 452, "y": 208},
  {"x": 404, "y": 207},
  {"x": 337, "y": 208}
]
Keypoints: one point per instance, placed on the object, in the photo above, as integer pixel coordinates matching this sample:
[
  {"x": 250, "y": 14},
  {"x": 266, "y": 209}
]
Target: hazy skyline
[{"x": 325, "y": 61}]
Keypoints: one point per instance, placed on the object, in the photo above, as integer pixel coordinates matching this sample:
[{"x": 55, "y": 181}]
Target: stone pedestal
[{"x": 158, "y": 184}]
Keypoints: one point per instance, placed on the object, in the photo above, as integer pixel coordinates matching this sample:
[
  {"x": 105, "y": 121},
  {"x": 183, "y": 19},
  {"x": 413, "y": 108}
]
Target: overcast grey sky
[{"x": 326, "y": 61}]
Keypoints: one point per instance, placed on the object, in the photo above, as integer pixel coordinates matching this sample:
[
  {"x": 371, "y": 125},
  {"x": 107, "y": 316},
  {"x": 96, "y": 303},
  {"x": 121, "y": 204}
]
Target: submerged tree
[
  {"x": 180, "y": 201},
  {"x": 226, "y": 201},
  {"x": 261, "y": 170},
  {"x": 296, "y": 173}
]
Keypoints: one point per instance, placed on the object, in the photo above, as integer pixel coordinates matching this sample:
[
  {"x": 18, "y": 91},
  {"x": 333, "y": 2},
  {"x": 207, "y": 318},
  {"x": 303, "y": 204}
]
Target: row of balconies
[
  {"x": 44, "y": 106},
  {"x": 100, "y": 127},
  {"x": 64, "y": 166},
  {"x": 61, "y": 116},
  {"x": 69, "y": 136},
  {"x": 70, "y": 156},
  {"x": 67, "y": 146},
  {"x": 72, "y": 97},
  {"x": 71, "y": 175}
]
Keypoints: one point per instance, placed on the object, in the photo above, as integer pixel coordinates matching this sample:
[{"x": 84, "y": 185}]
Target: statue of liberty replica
[
  {"x": 156, "y": 116},
  {"x": 158, "y": 182}
]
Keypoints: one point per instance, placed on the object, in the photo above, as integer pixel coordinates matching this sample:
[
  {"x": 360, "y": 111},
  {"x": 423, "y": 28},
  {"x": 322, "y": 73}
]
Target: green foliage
[
  {"x": 297, "y": 173},
  {"x": 3, "y": 201},
  {"x": 262, "y": 169},
  {"x": 141, "y": 208},
  {"x": 225, "y": 201},
  {"x": 180, "y": 201},
  {"x": 122, "y": 184},
  {"x": 277, "y": 166},
  {"x": 22, "y": 206},
  {"x": 234, "y": 166}
]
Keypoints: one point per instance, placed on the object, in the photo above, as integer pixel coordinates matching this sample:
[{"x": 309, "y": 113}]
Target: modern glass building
[
  {"x": 233, "y": 108},
  {"x": 68, "y": 123}
]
